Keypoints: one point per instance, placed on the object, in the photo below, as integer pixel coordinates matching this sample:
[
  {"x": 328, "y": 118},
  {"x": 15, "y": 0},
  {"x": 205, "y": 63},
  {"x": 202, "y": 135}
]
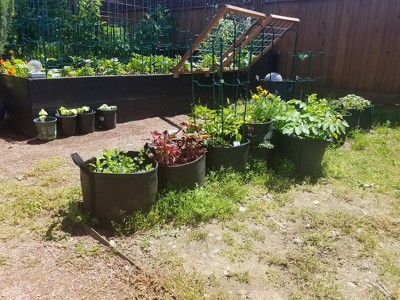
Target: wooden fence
[{"x": 360, "y": 40}]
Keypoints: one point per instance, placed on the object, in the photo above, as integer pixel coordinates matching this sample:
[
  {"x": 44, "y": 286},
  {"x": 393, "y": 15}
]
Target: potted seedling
[
  {"x": 117, "y": 183},
  {"x": 180, "y": 156},
  {"x": 85, "y": 119},
  {"x": 107, "y": 116},
  {"x": 67, "y": 120},
  {"x": 46, "y": 126}
]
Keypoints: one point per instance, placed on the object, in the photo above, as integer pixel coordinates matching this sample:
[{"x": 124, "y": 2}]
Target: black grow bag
[
  {"x": 110, "y": 196},
  {"x": 234, "y": 157},
  {"x": 183, "y": 176},
  {"x": 258, "y": 132},
  {"x": 305, "y": 153}
]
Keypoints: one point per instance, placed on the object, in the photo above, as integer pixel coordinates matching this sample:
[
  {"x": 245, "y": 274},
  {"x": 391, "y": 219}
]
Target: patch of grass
[
  {"x": 217, "y": 199},
  {"x": 373, "y": 160},
  {"x": 3, "y": 261},
  {"x": 83, "y": 249},
  {"x": 274, "y": 259},
  {"x": 273, "y": 277},
  {"x": 197, "y": 234},
  {"x": 241, "y": 277},
  {"x": 238, "y": 248},
  {"x": 389, "y": 271},
  {"x": 34, "y": 199},
  {"x": 187, "y": 285}
]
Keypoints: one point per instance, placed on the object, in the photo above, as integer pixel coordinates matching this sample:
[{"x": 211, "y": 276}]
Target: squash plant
[
  {"x": 119, "y": 162},
  {"x": 315, "y": 119}
]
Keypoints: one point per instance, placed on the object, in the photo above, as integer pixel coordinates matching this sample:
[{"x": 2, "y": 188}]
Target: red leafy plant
[{"x": 177, "y": 148}]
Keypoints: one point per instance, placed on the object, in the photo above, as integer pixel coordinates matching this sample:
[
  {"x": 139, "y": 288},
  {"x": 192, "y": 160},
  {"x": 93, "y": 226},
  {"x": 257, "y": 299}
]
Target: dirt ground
[{"x": 41, "y": 269}]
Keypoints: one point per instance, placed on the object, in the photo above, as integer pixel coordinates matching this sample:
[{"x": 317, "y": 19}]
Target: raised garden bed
[{"x": 137, "y": 97}]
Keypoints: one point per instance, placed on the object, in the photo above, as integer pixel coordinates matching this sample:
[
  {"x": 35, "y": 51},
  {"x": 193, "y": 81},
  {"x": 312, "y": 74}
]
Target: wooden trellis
[{"x": 258, "y": 31}]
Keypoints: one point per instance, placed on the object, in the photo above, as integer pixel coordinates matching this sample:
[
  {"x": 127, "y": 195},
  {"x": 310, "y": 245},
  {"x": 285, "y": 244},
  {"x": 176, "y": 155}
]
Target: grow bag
[
  {"x": 305, "y": 153},
  {"x": 365, "y": 121},
  {"x": 183, "y": 176},
  {"x": 234, "y": 157},
  {"x": 258, "y": 132},
  {"x": 111, "y": 196},
  {"x": 47, "y": 130},
  {"x": 361, "y": 118},
  {"x": 85, "y": 122}
]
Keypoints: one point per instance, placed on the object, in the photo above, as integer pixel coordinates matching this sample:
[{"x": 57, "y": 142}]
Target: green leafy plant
[
  {"x": 120, "y": 162},
  {"x": 83, "y": 109},
  {"x": 222, "y": 126},
  {"x": 63, "y": 111},
  {"x": 315, "y": 119},
  {"x": 107, "y": 107},
  {"x": 262, "y": 107},
  {"x": 352, "y": 101},
  {"x": 42, "y": 115}
]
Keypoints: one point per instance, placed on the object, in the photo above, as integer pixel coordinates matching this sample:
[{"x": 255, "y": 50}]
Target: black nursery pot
[
  {"x": 188, "y": 175},
  {"x": 107, "y": 119},
  {"x": 86, "y": 122},
  {"x": 234, "y": 157},
  {"x": 66, "y": 124},
  {"x": 106, "y": 196}
]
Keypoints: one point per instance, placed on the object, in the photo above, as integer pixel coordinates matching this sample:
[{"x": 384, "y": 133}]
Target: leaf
[
  {"x": 288, "y": 131},
  {"x": 305, "y": 129},
  {"x": 298, "y": 130}
]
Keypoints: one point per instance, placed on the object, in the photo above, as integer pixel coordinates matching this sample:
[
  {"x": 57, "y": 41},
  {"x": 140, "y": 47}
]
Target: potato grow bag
[
  {"x": 111, "y": 196},
  {"x": 183, "y": 176},
  {"x": 305, "y": 153},
  {"x": 258, "y": 132},
  {"x": 366, "y": 118},
  {"x": 234, "y": 157}
]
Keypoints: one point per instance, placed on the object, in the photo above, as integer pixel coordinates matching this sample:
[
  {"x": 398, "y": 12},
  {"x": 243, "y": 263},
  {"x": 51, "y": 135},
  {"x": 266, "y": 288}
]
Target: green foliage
[
  {"x": 83, "y": 109},
  {"x": 262, "y": 107},
  {"x": 63, "y": 111},
  {"x": 6, "y": 13},
  {"x": 52, "y": 30},
  {"x": 216, "y": 199},
  {"x": 107, "y": 107},
  {"x": 42, "y": 115},
  {"x": 352, "y": 101},
  {"x": 223, "y": 126},
  {"x": 314, "y": 119},
  {"x": 118, "y": 162}
]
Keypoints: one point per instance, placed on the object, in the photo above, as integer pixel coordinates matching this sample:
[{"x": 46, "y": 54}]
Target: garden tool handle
[{"x": 80, "y": 163}]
